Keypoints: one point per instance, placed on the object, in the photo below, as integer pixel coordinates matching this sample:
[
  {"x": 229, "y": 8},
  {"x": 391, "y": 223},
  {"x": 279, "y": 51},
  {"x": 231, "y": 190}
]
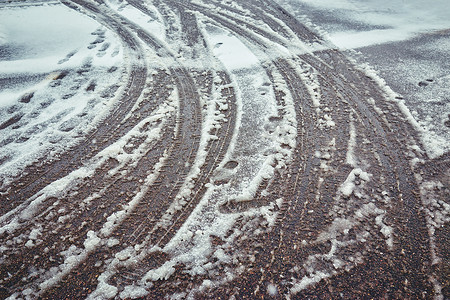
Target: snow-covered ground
[
  {"x": 295, "y": 145},
  {"x": 57, "y": 78},
  {"x": 407, "y": 42}
]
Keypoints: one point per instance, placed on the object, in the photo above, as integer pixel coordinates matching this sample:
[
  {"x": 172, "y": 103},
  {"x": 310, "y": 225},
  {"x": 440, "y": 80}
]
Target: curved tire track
[{"x": 303, "y": 253}]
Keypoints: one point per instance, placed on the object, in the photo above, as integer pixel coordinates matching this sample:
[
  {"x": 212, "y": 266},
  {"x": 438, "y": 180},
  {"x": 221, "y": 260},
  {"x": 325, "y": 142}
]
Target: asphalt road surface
[{"x": 348, "y": 209}]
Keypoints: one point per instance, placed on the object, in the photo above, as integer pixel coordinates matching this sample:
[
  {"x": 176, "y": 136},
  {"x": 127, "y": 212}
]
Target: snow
[
  {"x": 92, "y": 241},
  {"x": 308, "y": 280},
  {"x": 73, "y": 255},
  {"x": 163, "y": 272},
  {"x": 429, "y": 128},
  {"x": 153, "y": 25},
  {"x": 349, "y": 185},
  {"x": 24, "y": 28},
  {"x": 133, "y": 292},
  {"x": 437, "y": 212},
  {"x": 337, "y": 233},
  {"x": 406, "y": 42},
  {"x": 350, "y": 156},
  {"x": 254, "y": 109},
  {"x": 379, "y": 21},
  {"x": 42, "y": 61},
  {"x": 3, "y": 36},
  {"x": 272, "y": 289},
  {"x": 103, "y": 290},
  {"x": 259, "y": 146},
  {"x": 231, "y": 51}
]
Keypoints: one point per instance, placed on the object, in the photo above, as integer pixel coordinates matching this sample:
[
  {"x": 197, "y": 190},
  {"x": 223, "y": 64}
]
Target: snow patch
[
  {"x": 56, "y": 60},
  {"x": 353, "y": 180},
  {"x": 230, "y": 50}
]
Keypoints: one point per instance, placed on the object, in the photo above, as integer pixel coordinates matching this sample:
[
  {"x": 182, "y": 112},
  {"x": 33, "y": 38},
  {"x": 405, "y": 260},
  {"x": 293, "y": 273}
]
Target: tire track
[
  {"x": 114, "y": 185},
  {"x": 411, "y": 232},
  {"x": 38, "y": 175},
  {"x": 411, "y": 245},
  {"x": 158, "y": 200},
  {"x": 347, "y": 217}
]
